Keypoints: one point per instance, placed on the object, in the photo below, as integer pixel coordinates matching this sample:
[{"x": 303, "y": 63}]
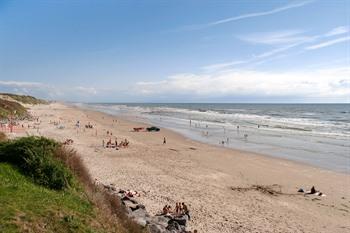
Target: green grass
[
  {"x": 25, "y": 206},
  {"x": 26, "y": 99},
  {"x": 34, "y": 156},
  {"x": 11, "y": 108},
  {"x": 45, "y": 188}
]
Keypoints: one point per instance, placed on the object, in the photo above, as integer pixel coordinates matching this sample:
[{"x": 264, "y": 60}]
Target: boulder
[
  {"x": 182, "y": 220},
  {"x": 173, "y": 226},
  {"x": 154, "y": 228},
  {"x": 160, "y": 220},
  {"x": 130, "y": 205},
  {"x": 141, "y": 221},
  {"x": 140, "y": 213}
]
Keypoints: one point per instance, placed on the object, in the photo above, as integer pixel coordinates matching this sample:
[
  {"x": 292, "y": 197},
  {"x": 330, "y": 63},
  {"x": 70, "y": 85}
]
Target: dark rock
[
  {"x": 153, "y": 228},
  {"x": 160, "y": 220},
  {"x": 141, "y": 221},
  {"x": 130, "y": 205},
  {"x": 126, "y": 198},
  {"x": 173, "y": 226},
  {"x": 180, "y": 220},
  {"x": 140, "y": 213}
]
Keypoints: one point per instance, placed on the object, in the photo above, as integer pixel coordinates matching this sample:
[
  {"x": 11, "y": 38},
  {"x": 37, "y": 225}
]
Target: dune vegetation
[{"x": 44, "y": 187}]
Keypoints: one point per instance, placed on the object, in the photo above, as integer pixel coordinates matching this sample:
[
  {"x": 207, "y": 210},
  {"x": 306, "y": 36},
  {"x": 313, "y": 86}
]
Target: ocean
[{"x": 315, "y": 134}]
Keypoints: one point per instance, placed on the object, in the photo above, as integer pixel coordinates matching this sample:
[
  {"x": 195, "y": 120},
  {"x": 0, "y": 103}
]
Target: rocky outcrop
[{"x": 138, "y": 213}]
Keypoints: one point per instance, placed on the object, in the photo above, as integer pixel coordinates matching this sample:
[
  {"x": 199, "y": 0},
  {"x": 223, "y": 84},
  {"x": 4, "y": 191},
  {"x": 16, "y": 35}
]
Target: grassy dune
[
  {"x": 46, "y": 188},
  {"x": 25, "y": 99},
  {"x": 26, "y": 206},
  {"x": 12, "y": 105},
  {"x": 8, "y": 108}
]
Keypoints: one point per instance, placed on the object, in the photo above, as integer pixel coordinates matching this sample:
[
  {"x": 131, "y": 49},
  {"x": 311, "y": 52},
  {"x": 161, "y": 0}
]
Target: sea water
[{"x": 316, "y": 134}]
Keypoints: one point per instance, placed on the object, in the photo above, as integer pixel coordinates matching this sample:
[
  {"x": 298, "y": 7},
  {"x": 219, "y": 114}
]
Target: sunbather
[{"x": 186, "y": 211}]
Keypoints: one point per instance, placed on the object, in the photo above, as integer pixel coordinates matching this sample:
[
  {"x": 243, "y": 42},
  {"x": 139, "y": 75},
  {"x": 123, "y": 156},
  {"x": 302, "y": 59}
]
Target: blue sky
[{"x": 176, "y": 51}]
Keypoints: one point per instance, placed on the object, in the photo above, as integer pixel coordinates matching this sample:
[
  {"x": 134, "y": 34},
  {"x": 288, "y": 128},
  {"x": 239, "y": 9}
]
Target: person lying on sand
[
  {"x": 315, "y": 192},
  {"x": 68, "y": 141}
]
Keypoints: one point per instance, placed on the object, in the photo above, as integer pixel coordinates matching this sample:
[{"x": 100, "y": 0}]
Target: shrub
[
  {"x": 2, "y": 137},
  {"x": 34, "y": 157}
]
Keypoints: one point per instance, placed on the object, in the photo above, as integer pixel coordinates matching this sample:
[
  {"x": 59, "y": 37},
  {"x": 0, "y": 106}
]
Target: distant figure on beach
[
  {"x": 227, "y": 140},
  {"x": 177, "y": 208},
  {"x": 313, "y": 190},
  {"x": 245, "y": 136},
  {"x": 186, "y": 211},
  {"x": 164, "y": 140},
  {"x": 103, "y": 143},
  {"x": 165, "y": 209}
]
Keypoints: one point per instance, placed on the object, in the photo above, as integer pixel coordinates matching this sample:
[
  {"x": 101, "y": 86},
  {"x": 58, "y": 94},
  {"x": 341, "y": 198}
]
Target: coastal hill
[
  {"x": 24, "y": 99},
  {"x": 46, "y": 187},
  {"x": 15, "y": 105}
]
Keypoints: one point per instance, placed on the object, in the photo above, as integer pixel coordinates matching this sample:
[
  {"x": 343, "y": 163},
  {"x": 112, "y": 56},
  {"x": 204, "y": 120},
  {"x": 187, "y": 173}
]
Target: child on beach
[{"x": 164, "y": 141}]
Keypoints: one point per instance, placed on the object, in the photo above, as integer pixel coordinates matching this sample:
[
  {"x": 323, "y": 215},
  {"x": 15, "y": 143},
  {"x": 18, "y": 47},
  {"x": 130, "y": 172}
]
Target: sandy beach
[{"x": 216, "y": 183}]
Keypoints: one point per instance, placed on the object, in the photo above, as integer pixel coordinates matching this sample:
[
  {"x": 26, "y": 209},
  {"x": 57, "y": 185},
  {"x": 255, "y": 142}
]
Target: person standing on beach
[{"x": 164, "y": 140}]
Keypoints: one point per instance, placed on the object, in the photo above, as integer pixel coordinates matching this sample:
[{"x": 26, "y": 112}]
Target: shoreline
[
  {"x": 216, "y": 183},
  {"x": 314, "y": 149},
  {"x": 252, "y": 153}
]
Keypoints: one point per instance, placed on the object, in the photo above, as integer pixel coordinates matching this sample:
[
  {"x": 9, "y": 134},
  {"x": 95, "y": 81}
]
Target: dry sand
[{"x": 207, "y": 178}]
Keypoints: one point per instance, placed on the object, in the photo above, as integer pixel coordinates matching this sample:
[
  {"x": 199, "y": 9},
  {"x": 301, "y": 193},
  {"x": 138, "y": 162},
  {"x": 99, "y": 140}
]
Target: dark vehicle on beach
[{"x": 153, "y": 128}]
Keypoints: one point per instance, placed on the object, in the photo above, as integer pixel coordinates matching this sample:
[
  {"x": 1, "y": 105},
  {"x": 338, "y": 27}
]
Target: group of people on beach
[
  {"x": 68, "y": 142},
  {"x": 123, "y": 144},
  {"x": 89, "y": 126},
  {"x": 180, "y": 209}
]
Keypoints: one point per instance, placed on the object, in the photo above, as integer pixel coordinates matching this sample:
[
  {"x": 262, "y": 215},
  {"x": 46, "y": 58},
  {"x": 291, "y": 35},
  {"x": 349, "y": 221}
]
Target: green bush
[{"x": 34, "y": 156}]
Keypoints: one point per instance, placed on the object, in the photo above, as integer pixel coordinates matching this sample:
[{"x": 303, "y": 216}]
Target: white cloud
[
  {"x": 286, "y": 40},
  {"x": 328, "y": 43},
  {"x": 276, "y": 38},
  {"x": 338, "y": 31},
  {"x": 86, "y": 90},
  {"x": 20, "y": 84},
  {"x": 223, "y": 65},
  {"x": 321, "y": 84},
  {"x": 258, "y": 14},
  {"x": 244, "y": 16},
  {"x": 46, "y": 91},
  {"x": 254, "y": 58}
]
